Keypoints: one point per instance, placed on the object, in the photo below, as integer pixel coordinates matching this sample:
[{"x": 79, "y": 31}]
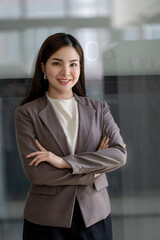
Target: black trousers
[{"x": 99, "y": 231}]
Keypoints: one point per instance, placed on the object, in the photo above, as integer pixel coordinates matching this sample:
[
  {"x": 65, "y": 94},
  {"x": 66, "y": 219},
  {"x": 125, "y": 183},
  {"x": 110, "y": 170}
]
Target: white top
[{"x": 67, "y": 112}]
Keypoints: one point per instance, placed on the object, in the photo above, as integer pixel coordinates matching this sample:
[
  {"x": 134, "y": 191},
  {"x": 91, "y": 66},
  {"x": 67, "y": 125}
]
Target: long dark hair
[{"x": 53, "y": 43}]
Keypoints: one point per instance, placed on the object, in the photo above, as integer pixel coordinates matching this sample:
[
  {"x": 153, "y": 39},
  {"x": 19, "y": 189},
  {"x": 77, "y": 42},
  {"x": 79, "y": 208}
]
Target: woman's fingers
[
  {"x": 45, "y": 156},
  {"x": 40, "y": 146},
  {"x": 101, "y": 143},
  {"x": 104, "y": 143},
  {"x": 42, "y": 159},
  {"x": 38, "y": 154},
  {"x": 96, "y": 175},
  {"x": 34, "y": 154},
  {"x": 37, "y": 158}
]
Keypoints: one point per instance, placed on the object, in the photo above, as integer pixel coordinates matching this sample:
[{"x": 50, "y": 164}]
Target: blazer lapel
[
  {"x": 86, "y": 116},
  {"x": 51, "y": 121}
]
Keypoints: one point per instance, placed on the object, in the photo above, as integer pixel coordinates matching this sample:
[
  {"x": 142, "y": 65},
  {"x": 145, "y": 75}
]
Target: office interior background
[{"x": 121, "y": 42}]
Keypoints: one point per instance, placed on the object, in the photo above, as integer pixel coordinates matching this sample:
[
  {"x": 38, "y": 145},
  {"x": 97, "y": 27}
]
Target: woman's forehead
[{"x": 67, "y": 53}]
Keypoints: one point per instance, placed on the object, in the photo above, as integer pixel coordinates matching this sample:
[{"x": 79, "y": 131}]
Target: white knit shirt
[{"x": 67, "y": 112}]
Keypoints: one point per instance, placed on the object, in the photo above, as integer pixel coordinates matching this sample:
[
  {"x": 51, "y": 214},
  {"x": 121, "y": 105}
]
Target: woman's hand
[
  {"x": 46, "y": 156},
  {"x": 103, "y": 145}
]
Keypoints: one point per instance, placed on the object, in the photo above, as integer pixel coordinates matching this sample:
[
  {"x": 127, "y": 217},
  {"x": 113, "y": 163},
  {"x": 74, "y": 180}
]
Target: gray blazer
[{"x": 52, "y": 194}]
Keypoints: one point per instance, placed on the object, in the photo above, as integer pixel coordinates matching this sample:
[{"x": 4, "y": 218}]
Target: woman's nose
[{"x": 65, "y": 71}]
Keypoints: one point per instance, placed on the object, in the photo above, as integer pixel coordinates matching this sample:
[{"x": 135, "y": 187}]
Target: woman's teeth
[{"x": 64, "y": 80}]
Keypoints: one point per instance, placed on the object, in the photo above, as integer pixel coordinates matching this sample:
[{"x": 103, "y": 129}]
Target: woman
[{"x": 67, "y": 142}]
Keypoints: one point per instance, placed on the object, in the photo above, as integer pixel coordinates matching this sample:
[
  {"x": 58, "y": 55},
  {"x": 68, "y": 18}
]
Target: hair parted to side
[{"x": 52, "y": 44}]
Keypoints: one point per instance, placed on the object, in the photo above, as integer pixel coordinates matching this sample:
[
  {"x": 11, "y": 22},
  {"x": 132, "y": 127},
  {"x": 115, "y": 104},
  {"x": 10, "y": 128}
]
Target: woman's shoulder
[
  {"x": 32, "y": 106},
  {"x": 92, "y": 102}
]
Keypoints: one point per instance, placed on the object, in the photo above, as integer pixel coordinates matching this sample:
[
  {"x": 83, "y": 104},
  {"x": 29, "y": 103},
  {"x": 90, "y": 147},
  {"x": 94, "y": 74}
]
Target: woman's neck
[{"x": 60, "y": 96}]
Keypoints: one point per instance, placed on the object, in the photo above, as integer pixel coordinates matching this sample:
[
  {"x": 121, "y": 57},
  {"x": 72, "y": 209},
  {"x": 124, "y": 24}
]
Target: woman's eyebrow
[
  {"x": 61, "y": 60},
  {"x": 74, "y": 60},
  {"x": 58, "y": 59}
]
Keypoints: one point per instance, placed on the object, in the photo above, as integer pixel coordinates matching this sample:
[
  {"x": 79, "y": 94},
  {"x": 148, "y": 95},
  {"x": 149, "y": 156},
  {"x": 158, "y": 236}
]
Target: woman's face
[{"x": 62, "y": 70}]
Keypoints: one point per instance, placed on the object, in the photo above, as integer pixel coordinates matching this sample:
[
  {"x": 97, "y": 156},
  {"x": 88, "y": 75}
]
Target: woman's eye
[
  {"x": 56, "y": 63},
  {"x": 74, "y": 64}
]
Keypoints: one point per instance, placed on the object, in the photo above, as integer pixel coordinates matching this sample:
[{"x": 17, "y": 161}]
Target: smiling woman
[
  {"x": 62, "y": 70},
  {"x": 67, "y": 142},
  {"x": 53, "y": 46}
]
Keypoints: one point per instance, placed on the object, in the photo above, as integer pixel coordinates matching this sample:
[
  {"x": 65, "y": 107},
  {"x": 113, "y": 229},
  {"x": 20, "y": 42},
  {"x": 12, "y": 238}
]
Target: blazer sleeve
[
  {"x": 44, "y": 174},
  {"x": 106, "y": 160}
]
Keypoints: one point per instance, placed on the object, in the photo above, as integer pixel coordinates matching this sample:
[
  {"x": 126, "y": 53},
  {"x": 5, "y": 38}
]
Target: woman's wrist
[{"x": 64, "y": 163}]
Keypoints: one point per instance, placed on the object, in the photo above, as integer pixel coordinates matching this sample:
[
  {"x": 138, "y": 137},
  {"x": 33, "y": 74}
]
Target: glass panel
[
  {"x": 141, "y": 57},
  {"x": 151, "y": 31},
  {"x": 13, "y": 184},
  {"x": 88, "y": 8},
  {"x": 9, "y": 9},
  {"x": 18, "y": 58},
  {"x": 44, "y": 8}
]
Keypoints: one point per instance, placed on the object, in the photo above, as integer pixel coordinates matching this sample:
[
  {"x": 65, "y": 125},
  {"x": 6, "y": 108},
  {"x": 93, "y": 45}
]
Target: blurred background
[{"x": 121, "y": 42}]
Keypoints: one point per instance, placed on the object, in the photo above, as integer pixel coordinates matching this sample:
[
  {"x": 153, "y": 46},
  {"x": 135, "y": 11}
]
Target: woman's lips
[{"x": 64, "y": 81}]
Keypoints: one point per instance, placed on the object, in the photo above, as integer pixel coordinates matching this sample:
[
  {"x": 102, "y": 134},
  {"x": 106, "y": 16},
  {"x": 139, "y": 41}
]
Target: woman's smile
[{"x": 64, "y": 81}]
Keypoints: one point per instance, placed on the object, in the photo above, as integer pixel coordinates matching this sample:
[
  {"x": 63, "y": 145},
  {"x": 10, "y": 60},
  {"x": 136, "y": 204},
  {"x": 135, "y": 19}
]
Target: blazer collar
[{"x": 51, "y": 121}]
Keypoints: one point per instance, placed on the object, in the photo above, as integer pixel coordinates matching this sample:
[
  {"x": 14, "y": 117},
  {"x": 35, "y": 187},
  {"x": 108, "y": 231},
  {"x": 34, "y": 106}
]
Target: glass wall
[{"x": 122, "y": 61}]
